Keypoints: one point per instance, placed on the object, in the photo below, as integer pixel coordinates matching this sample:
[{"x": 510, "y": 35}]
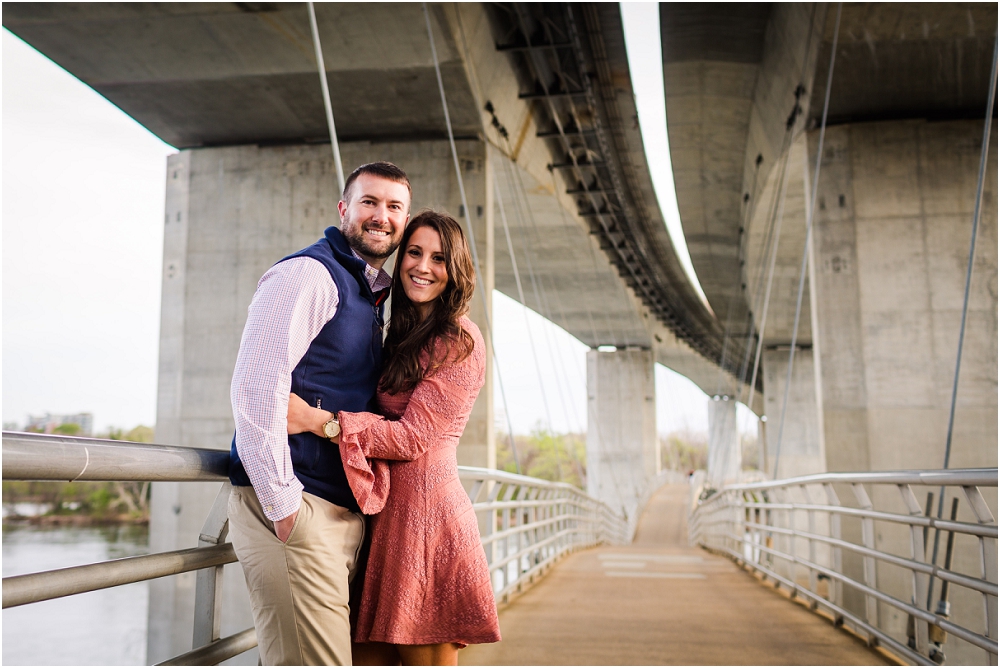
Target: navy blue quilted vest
[{"x": 339, "y": 372}]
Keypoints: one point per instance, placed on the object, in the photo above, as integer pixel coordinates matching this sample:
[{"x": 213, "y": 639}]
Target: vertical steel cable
[
  {"x": 503, "y": 144},
  {"x": 810, "y": 214},
  {"x": 524, "y": 307},
  {"x": 520, "y": 199},
  {"x": 321, "y": 64},
  {"x": 516, "y": 182},
  {"x": 785, "y": 145},
  {"x": 972, "y": 250},
  {"x": 984, "y": 152},
  {"x": 472, "y": 232},
  {"x": 780, "y": 214},
  {"x": 754, "y": 336}
]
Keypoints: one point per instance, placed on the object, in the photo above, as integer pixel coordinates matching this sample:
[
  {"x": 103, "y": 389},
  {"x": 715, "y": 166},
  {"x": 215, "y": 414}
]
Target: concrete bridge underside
[
  {"x": 211, "y": 75},
  {"x": 745, "y": 91},
  {"x": 542, "y": 106}
]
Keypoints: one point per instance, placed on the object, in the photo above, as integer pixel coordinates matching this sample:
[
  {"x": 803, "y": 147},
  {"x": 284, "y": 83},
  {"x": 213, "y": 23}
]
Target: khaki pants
[{"x": 299, "y": 590}]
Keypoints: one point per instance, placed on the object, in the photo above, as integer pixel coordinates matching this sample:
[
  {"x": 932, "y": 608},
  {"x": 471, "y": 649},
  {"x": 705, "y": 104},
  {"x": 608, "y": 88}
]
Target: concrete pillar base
[
  {"x": 622, "y": 449},
  {"x": 724, "y": 456},
  {"x": 231, "y": 213},
  {"x": 802, "y": 449}
]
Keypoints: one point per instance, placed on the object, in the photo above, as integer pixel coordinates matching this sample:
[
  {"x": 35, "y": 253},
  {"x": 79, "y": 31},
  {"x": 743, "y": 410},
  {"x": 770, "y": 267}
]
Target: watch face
[{"x": 331, "y": 429}]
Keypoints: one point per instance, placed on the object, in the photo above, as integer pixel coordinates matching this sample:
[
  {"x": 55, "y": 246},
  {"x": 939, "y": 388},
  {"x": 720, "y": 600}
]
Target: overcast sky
[{"x": 83, "y": 197}]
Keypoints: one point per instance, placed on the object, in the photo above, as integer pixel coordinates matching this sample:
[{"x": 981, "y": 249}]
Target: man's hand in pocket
[{"x": 283, "y": 527}]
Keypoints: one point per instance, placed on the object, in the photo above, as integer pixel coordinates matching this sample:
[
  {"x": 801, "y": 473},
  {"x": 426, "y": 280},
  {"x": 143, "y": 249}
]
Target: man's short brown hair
[{"x": 383, "y": 170}]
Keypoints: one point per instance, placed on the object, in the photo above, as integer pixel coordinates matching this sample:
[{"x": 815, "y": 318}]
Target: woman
[{"x": 427, "y": 590}]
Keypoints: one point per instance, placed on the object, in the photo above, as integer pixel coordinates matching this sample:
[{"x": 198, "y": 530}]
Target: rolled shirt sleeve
[{"x": 294, "y": 300}]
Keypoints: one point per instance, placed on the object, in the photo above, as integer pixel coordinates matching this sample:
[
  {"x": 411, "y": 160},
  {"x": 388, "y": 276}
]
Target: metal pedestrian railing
[
  {"x": 526, "y": 526},
  {"x": 857, "y": 545}
]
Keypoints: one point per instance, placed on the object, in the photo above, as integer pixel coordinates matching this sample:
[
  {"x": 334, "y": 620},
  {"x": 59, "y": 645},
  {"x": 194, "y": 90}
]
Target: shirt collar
[{"x": 377, "y": 279}]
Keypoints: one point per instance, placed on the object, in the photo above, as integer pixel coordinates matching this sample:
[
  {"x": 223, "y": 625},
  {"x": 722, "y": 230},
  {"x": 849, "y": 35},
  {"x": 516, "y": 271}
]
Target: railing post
[
  {"x": 811, "y": 519},
  {"x": 208, "y": 583},
  {"x": 489, "y": 524},
  {"x": 836, "y": 591},
  {"x": 868, "y": 539},
  {"x": 987, "y": 560},
  {"x": 920, "y": 580},
  {"x": 532, "y": 518},
  {"x": 507, "y": 493},
  {"x": 511, "y": 518}
]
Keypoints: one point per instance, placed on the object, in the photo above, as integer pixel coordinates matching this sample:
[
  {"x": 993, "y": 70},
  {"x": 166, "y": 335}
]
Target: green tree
[
  {"x": 132, "y": 496},
  {"x": 684, "y": 451},
  {"x": 140, "y": 434},
  {"x": 750, "y": 449},
  {"x": 68, "y": 429},
  {"x": 105, "y": 500},
  {"x": 546, "y": 455}
]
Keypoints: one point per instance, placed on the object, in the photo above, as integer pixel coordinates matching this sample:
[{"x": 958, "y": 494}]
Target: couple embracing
[{"x": 326, "y": 415}]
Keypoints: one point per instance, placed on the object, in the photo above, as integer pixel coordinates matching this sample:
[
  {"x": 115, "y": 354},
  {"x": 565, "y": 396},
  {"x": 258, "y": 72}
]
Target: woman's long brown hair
[{"x": 409, "y": 336}]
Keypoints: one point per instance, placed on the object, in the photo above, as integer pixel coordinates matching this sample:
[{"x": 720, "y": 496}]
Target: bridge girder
[
  {"x": 205, "y": 75},
  {"x": 744, "y": 84}
]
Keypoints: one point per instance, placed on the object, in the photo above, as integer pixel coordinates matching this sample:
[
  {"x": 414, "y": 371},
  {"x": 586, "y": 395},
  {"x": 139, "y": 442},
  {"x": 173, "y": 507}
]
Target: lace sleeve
[{"x": 438, "y": 410}]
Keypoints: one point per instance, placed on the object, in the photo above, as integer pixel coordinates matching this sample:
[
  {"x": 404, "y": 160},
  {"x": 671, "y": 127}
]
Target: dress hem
[{"x": 432, "y": 641}]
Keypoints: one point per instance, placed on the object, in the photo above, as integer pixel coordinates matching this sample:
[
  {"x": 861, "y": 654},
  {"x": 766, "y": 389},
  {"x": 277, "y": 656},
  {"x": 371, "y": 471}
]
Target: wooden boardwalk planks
[{"x": 660, "y": 602}]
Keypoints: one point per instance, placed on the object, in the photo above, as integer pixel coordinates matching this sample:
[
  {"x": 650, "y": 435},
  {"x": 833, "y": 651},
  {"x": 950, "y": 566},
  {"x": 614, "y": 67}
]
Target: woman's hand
[{"x": 302, "y": 417}]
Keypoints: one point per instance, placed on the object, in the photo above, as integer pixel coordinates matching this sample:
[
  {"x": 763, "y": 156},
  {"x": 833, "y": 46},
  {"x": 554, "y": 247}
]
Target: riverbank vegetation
[
  {"x": 80, "y": 503},
  {"x": 563, "y": 457},
  {"x": 546, "y": 455}
]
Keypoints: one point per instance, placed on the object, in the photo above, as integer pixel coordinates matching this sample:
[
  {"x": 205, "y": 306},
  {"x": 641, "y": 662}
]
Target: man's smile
[{"x": 381, "y": 234}]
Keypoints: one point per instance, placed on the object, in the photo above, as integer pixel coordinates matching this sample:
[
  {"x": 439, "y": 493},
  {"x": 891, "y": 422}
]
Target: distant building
[{"x": 47, "y": 423}]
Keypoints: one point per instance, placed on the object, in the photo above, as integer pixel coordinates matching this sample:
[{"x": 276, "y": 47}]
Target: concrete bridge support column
[
  {"x": 623, "y": 452},
  {"x": 893, "y": 228},
  {"x": 894, "y": 219},
  {"x": 230, "y": 214},
  {"x": 724, "y": 456},
  {"x": 802, "y": 449}
]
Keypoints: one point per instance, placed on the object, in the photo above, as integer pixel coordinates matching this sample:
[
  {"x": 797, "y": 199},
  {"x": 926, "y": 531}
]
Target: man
[{"x": 314, "y": 328}]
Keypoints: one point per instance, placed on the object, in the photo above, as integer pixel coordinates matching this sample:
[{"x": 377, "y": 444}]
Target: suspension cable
[
  {"x": 983, "y": 154},
  {"x": 810, "y": 214},
  {"x": 520, "y": 292},
  {"x": 779, "y": 217},
  {"x": 752, "y": 335},
  {"x": 324, "y": 85},
  {"x": 477, "y": 93},
  {"x": 472, "y": 232},
  {"x": 518, "y": 188},
  {"x": 538, "y": 284},
  {"x": 512, "y": 178},
  {"x": 972, "y": 251},
  {"x": 723, "y": 377}
]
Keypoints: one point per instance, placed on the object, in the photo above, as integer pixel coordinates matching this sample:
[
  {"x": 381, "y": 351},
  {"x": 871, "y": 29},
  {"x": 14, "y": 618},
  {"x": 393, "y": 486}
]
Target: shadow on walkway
[{"x": 660, "y": 602}]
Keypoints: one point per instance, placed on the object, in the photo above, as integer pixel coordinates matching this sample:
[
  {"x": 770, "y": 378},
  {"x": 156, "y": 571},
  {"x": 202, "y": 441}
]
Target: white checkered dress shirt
[{"x": 295, "y": 299}]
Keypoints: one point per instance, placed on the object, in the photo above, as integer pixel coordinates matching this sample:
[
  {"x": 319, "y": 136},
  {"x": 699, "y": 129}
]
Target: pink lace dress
[{"x": 427, "y": 580}]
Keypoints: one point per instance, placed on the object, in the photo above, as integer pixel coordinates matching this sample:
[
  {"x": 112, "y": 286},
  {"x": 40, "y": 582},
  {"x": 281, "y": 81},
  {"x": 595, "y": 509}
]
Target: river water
[{"x": 106, "y": 627}]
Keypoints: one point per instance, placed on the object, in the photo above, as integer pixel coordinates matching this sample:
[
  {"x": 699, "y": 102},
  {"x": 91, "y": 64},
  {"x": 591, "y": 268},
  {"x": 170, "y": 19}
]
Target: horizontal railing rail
[
  {"x": 47, "y": 457},
  {"x": 874, "y": 560},
  {"x": 47, "y": 585},
  {"x": 526, "y": 525}
]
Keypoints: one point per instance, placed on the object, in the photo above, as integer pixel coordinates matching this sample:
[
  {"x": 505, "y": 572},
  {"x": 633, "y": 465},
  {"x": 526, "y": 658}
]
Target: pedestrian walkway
[{"x": 659, "y": 601}]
